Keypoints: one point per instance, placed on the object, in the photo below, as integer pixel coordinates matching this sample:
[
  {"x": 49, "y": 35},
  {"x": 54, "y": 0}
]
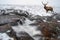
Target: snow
[
  {"x": 4, "y": 36},
  {"x": 31, "y": 30}
]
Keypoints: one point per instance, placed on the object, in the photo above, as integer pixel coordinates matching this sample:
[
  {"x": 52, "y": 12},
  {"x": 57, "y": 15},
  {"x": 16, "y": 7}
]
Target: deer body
[{"x": 48, "y": 8}]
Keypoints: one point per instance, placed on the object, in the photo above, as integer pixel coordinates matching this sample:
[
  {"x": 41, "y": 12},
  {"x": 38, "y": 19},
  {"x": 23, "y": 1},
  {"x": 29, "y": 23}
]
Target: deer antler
[{"x": 44, "y": 3}]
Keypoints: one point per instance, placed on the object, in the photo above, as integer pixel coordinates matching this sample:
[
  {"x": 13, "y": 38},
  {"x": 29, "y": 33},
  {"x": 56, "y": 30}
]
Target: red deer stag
[{"x": 47, "y": 8}]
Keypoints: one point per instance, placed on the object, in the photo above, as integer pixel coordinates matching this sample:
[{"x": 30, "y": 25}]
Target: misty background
[{"x": 33, "y": 6}]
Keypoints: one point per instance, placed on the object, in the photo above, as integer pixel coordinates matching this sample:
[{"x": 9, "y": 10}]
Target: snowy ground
[
  {"x": 36, "y": 10},
  {"x": 31, "y": 30},
  {"x": 4, "y": 36}
]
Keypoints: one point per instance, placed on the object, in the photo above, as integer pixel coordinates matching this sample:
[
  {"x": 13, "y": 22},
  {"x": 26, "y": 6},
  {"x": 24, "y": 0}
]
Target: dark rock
[
  {"x": 34, "y": 24},
  {"x": 20, "y": 35},
  {"x": 12, "y": 34},
  {"x": 21, "y": 22},
  {"x": 21, "y": 13},
  {"x": 24, "y": 36},
  {"x": 14, "y": 24},
  {"x": 37, "y": 35},
  {"x": 5, "y": 28},
  {"x": 8, "y": 18}
]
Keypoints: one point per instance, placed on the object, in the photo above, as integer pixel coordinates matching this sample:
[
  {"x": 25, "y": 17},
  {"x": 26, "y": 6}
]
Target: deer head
[{"x": 44, "y": 3}]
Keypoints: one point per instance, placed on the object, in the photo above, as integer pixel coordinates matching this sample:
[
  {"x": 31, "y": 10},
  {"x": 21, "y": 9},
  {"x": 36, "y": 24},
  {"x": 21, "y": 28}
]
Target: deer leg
[
  {"x": 46, "y": 11},
  {"x": 52, "y": 10}
]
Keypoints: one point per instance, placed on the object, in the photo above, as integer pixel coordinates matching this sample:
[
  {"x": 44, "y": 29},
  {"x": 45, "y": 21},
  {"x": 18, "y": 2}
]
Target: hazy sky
[
  {"x": 30, "y": 2},
  {"x": 54, "y": 3}
]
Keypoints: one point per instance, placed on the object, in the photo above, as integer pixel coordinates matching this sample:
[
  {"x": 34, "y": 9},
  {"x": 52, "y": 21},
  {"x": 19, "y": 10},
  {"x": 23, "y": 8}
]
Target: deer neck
[{"x": 45, "y": 7}]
